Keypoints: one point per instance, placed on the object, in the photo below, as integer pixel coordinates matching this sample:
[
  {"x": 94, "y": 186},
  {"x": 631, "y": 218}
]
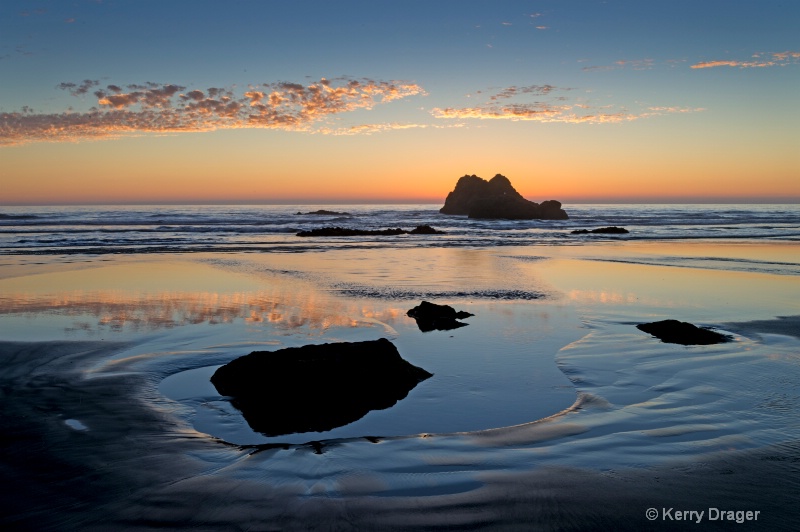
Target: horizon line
[{"x": 768, "y": 200}]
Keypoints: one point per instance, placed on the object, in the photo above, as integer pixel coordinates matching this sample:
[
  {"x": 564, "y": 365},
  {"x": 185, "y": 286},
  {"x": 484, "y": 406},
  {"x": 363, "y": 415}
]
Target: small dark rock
[
  {"x": 602, "y": 230},
  {"x": 316, "y": 388},
  {"x": 433, "y": 317},
  {"x": 680, "y": 332},
  {"x": 425, "y": 230}
]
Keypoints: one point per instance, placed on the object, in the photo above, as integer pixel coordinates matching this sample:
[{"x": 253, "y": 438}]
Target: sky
[{"x": 146, "y": 101}]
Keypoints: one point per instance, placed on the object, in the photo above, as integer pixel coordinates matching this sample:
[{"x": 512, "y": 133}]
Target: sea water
[
  {"x": 548, "y": 403},
  {"x": 272, "y": 228}
]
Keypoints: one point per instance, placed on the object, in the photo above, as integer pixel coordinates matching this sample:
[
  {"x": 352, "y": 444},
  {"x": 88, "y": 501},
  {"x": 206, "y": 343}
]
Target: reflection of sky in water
[
  {"x": 687, "y": 293},
  {"x": 136, "y": 312},
  {"x": 498, "y": 371},
  {"x": 135, "y": 298},
  {"x": 187, "y": 314}
]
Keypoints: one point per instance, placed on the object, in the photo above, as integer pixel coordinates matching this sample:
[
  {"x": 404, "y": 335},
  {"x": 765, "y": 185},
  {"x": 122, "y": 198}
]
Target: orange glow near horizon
[{"x": 394, "y": 167}]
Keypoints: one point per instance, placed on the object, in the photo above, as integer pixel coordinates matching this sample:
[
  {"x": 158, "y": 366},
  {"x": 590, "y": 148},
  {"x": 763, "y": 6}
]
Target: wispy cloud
[
  {"x": 758, "y": 60},
  {"x": 634, "y": 64},
  {"x": 169, "y": 108},
  {"x": 555, "y": 106},
  {"x": 78, "y": 89},
  {"x": 368, "y": 129},
  {"x": 510, "y": 92}
]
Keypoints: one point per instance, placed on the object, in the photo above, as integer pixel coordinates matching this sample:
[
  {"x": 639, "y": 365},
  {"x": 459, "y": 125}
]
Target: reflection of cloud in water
[
  {"x": 119, "y": 310},
  {"x": 602, "y": 296}
]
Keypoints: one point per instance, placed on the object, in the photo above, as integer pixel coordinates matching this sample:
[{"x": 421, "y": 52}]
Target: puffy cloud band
[{"x": 167, "y": 108}]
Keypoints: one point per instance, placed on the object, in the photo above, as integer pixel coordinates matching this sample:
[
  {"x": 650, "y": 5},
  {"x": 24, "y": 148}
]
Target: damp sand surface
[{"x": 549, "y": 410}]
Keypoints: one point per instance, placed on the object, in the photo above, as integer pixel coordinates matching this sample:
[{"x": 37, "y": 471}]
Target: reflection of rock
[
  {"x": 316, "y": 388},
  {"x": 345, "y": 231},
  {"x": 323, "y": 212},
  {"x": 430, "y": 317},
  {"x": 602, "y": 230},
  {"x": 680, "y": 332},
  {"x": 496, "y": 198}
]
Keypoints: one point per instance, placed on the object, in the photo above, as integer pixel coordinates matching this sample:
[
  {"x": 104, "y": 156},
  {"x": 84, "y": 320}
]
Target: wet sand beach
[{"x": 550, "y": 410}]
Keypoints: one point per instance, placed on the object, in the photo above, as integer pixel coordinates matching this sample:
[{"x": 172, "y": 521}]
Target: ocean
[
  {"x": 98, "y": 230},
  {"x": 547, "y": 410}
]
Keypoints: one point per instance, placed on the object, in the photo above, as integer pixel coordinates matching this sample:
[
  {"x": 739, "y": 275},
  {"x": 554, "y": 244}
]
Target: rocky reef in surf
[
  {"x": 346, "y": 231},
  {"x": 602, "y": 231},
  {"x": 433, "y": 317},
  {"x": 681, "y": 332},
  {"x": 316, "y": 388},
  {"x": 497, "y": 198},
  {"x": 323, "y": 212}
]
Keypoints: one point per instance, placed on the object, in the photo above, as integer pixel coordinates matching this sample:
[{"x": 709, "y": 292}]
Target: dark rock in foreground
[
  {"x": 496, "y": 198},
  {"x": 602, "y": 230},
  {"x": 345, "y": 231},
  {"x": 680, "y": 332},
  {"x": 433, "y": 317},
  {"x": 316, "y": 388},
  {"x": 323, "y": 212}
]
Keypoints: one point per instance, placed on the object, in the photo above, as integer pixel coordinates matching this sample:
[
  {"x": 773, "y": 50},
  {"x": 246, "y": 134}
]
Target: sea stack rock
[
  {"x": 497, "y": 198},
  {"x": 316, "y": 388}
]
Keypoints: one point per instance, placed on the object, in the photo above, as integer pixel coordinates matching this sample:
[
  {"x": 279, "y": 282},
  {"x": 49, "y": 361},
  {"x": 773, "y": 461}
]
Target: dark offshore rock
[
  {"x": 680, "y": 332},
  {"x": 345, "y": 231},
  {"x": 433, "y": 317},
  {"x": 496, "y": 198},
  {"x": 323, "y": 212},
  {"x": 602, "y": 230},
  {"x": 425, "y": 230},
  {"x": 316, "y": 388}
]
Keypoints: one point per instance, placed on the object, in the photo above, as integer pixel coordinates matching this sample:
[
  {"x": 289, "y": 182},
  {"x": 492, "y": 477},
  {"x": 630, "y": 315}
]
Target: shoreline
[{"x": 96, "y": 443}]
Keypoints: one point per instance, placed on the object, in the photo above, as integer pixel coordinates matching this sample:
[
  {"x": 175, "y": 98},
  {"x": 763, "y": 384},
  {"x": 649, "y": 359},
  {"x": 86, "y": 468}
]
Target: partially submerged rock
[
  {"x": 316, "y": 388},
  {"x": 425, "y": 230},
  {"x": 613, "y": 230},
  {"x": 433, "y": 317},
  {"x": 346, "y": 231},
  {"x": 680, "y": 332},
  {"x": 496, "y": 198}
]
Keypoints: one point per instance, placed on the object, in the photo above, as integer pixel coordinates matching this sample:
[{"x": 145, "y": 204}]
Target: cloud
[
  {"x": 529, "y": 89},
  {"x": 368, "y": 129},
  {"x": 759, "y": 60},
  {"x": 558, "y": 108},
  {"x": 168, "y": 108},
  {"x": 79, "y": 90},
  {"x": 152, "y": 97},
  {"x": 634, "y": 64}
]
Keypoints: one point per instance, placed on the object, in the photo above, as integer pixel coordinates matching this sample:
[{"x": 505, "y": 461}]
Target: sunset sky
[{"x": 123, "y": 101}]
